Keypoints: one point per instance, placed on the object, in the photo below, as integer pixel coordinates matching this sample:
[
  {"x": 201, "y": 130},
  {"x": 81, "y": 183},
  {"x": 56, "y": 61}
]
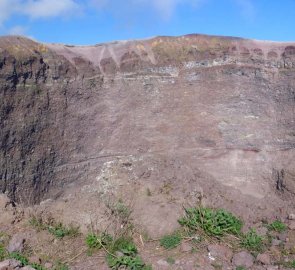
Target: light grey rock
[
  {"x": 276, "y": 242},
  {"x": 243, "y": 258},
  {"x": 261, "y": 231},
  {"x": 4, "y": 265},
  {"x": 272, "y": 267},
  {"x": 291, "y": 225},
  {"x": 185, "y": 247},
  {"x": 10, "y": 264},
  {"x": 16, "y": 243},
  {"x": 27, "y": 268},
  {"x": 162, "y": 262},
  {"x": 220, "y": 252},
  {"x": 264, "y": 258},
  {"x": 48, "y": 265}
]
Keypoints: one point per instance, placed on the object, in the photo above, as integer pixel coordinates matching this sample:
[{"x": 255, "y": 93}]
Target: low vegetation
[
  {"x": 170, "y": 260},
  {"x": 97, "y": 241},
  {"x": 3, "y": 252},
  {"x": 55, "y": 228},
  {"x": 213, "y": 222},
  {"x": 277, "y": 226},
  {"x": 199, "y": 225},
  {"x": 241, "y": 268},
  {"x": 170, "y": 241},
  {"x": 60, "y": 231},
  {"x": 121, "y": 252},
  {"x": 252, "y": 241}
]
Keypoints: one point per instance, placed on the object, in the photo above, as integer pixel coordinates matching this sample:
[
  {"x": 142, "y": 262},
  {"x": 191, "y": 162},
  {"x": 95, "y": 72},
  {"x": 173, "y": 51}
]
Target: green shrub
[
  {"x": 127, "y": 258},
  {"x": 57, "y": 229},
  {"x": 241, "y": 268},
  {"x": 37, "y": 223},
  {"x": 170, "y": 260},
  {"x": 291, "y": 264},
  {"x": 128, "y": 262},
  {"x": 60, "y": 231},
  {"x": 170, "y": 241},
  {"x": 96, "y": 241},
  {"x": 214, "y": 222},
  {"x": 61, "y": 266},
  {"x": 277, "y": 226},
  {"x": 19, "y": 257},
  {"x": 3, "y": 253},
  {"x": 37, "y": 266},
  {"x": 124, "y": 245},
  {"x": 252, "y": 241}
]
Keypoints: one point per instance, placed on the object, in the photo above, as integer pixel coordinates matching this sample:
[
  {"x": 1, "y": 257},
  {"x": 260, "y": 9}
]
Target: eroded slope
[{"x": 159, "y": 123}]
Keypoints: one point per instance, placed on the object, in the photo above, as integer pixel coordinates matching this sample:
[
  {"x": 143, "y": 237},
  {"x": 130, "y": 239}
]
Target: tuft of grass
[
  {"x": 60, "y": 266},
  {"x": 56, "y": 228},
  {"x": 216, "y": 265},
  {"x": 148, "y": 192},
  {"x": 37, "y": 223},
  {"x": 291, "y": 264},
  {"x": 19, "y": 257},
  {"x": 122, "y": 210},
  {"x": 277, "y": 226},
  {"x": 127, "y": 262},
  {"x": 241, "y": 268},
  {"x": 60, "y": 231},
  {"x": 97, "y": 241},
  {"x": 37, "y": 266},
  {"x": 214, "y": 222},
  {"x": 122, "y": 253},
  {"x": 252, "y": 241},
  {"x": 170, "y": 241},
  {"x": 3, "y": 253},
  {"x": 170, "y": 260},
  {"x": 24, "y": 261},
  {"x": 124, "y": 245}
]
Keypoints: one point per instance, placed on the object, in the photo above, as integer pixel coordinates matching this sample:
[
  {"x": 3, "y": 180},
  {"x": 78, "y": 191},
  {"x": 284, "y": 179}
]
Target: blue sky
[{"x": 95, "y": 21}]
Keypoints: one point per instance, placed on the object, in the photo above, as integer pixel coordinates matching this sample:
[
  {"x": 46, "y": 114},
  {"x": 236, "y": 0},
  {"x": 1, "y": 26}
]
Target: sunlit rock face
[{"x": 193, "y": 111}]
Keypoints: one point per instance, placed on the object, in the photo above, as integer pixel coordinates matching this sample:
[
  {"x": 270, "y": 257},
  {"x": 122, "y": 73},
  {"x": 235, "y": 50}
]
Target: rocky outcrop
[{"x": 196, "y": 111}]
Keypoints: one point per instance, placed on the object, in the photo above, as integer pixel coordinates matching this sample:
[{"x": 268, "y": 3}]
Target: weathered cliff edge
[{"x": 160, "y": 122}]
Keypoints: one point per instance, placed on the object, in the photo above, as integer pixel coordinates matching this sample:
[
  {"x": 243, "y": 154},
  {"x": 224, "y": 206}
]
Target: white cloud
[
  {"x": 7, "y": 8},
  {"x": 165, "y": 8},
  {"x": 36, "y": 9},
  {"x": 49, "y": 8},
  {"x": 17, "y": 30}
]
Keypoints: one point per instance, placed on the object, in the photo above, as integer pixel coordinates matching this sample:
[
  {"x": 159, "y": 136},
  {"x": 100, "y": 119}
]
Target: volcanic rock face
[{"x": 192, "y": 117}]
